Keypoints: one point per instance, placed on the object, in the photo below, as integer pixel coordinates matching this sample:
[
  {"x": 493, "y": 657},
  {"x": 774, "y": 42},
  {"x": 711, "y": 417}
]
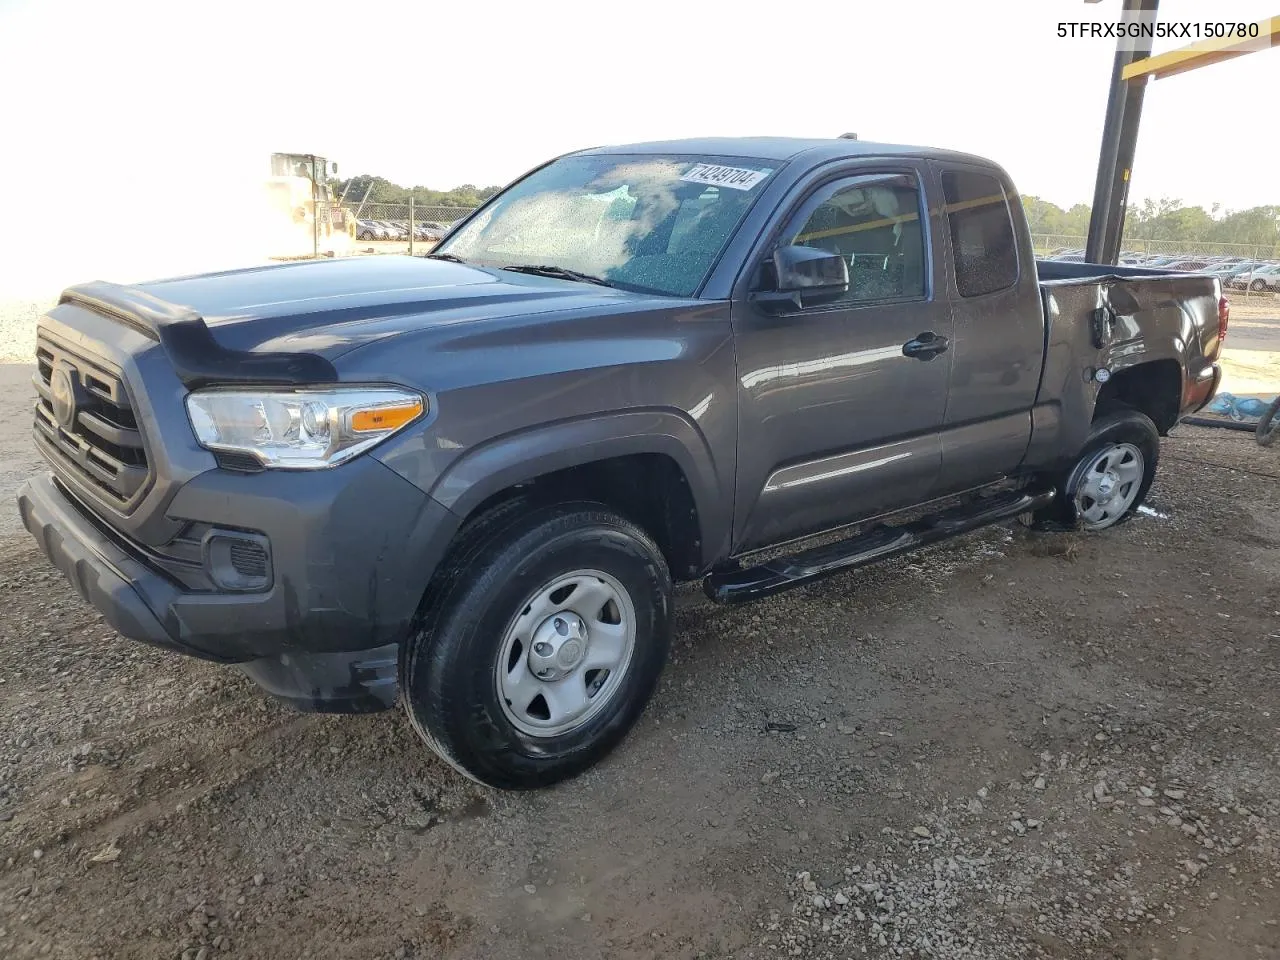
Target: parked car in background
[
  {"x": 1221, "y": 269},
  {"x": 1244, "y": 279},
  {"x": 1264, "y": 278},
  {"x": 371, "y": 230},
  {"x": 1238, "y": 267}
]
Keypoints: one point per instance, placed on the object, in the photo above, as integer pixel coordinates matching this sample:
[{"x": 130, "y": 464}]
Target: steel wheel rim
[
  {"x": 1109, "y": 485},
  {"x": 547, "y": 686}
]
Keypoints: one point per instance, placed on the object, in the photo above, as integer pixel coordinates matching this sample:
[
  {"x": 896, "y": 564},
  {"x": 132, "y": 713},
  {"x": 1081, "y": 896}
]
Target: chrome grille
[{"x": 85, "y": 424}]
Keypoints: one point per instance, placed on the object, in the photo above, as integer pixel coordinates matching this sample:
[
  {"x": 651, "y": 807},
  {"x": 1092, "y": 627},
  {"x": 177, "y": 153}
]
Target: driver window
[{"x": 874, "y": 223}]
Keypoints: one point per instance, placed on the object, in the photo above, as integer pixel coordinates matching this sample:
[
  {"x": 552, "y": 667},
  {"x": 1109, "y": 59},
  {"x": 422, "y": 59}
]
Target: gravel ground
[
  {"x": 18, "y": 329},
  {"x": 1009, "y": 746}
]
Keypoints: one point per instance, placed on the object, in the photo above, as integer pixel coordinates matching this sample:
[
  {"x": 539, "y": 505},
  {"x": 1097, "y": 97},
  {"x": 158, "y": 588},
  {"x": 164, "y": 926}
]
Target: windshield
[{"x": 649, "y": 223}]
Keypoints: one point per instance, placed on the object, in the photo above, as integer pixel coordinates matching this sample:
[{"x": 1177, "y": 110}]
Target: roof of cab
[{"x": 783, "y": 149}]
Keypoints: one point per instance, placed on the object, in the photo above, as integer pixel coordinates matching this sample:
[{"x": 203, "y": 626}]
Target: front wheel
[
  {"x": 1269, "y": 424},
  {"x": 1112, "y": 474},
  {"x": 543, "y": 643}
]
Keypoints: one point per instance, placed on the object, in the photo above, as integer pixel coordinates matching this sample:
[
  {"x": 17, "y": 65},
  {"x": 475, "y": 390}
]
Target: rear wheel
[
  {"x": 1111, "y": 476},
  {"x": 544, "y": 642}
]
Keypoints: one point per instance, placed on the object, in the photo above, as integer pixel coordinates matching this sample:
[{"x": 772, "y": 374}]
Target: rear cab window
[{"x": 984, "y": 249}]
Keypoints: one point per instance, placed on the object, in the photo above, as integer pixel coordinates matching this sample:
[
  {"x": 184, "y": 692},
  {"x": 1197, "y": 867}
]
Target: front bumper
[{"x": 352, "y": 549}]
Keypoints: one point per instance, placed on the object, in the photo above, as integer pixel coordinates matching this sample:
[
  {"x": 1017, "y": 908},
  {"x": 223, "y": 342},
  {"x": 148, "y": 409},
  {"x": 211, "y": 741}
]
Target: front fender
[{"x": 527, "y": 454}]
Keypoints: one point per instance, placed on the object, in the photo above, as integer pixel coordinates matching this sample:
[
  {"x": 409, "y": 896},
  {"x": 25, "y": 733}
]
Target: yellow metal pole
[{"x": 1206, "y": 52}]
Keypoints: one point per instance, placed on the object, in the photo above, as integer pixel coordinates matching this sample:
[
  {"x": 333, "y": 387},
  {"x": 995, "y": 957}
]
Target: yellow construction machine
[{"x": 305, "y": 218}]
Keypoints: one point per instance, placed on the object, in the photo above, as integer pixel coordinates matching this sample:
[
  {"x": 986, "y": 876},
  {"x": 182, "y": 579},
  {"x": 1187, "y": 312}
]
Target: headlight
[{"x": 301, "y": 429}]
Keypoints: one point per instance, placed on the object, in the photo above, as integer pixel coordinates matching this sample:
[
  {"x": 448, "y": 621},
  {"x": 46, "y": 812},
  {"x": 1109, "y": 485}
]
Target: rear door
[
  {"x": 837, "y": 422},
  {"x": 998, "y": 332}
]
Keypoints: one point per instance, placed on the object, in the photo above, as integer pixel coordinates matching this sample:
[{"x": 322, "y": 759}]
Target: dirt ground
[
  {"x": 1013, "y": 745},
  {"x": 1251, "y": 356}
]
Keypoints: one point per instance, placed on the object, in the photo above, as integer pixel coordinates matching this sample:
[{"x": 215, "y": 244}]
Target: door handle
[{"x": 926, "y": 346}]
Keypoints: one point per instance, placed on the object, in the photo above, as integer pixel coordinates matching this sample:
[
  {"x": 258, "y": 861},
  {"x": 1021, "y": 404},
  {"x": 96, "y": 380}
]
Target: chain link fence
[
  {"x": 1253, "y": 269},
  {"x": 389, "y": 227},
  {"x": 378, "y": 227},
  {"x": 1051, "y": 244}
]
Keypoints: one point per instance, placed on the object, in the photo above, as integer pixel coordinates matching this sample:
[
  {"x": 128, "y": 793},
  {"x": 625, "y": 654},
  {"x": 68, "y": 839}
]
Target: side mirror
[{"x": 806, "y": 276}]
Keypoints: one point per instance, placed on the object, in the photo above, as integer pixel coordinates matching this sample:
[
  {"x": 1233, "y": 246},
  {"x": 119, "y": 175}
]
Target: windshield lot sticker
[{"x": 735, "y": 178}]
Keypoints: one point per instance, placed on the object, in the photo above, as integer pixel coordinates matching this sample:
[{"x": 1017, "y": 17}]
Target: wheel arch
[
  {"x": 653, "y": 465},
  {"x": 1154, "y": 387}
]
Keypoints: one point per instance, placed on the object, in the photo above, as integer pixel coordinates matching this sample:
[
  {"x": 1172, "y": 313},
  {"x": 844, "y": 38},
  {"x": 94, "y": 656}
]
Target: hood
[{"x": 329, "y": 307}]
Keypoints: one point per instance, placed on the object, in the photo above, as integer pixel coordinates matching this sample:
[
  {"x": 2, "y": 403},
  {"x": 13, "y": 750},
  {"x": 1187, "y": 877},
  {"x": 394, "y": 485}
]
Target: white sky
[{"x": 179, "y": 105}]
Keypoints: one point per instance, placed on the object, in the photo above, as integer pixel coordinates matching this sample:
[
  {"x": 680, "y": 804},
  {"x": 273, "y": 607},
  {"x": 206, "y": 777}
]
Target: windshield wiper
[
  {"x": 559, "y": 273},
  {"x": 445, "y": 256}
]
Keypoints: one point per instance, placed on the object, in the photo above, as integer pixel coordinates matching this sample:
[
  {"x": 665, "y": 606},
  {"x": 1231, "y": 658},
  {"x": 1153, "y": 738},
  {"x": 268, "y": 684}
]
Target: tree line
[
  {"x": 1165, "y": 219},
  {"x": 367, "y": 187}
]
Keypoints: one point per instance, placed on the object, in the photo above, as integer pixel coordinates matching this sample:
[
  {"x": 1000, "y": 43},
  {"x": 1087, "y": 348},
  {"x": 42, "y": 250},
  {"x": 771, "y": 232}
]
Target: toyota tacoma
[{"x": 467, "y": 482}]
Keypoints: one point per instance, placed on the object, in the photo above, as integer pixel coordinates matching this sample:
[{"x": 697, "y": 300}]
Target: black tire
[
  {"x": 1269, "y": 424},
  {"x": 1257, "y": 286},
  {"x": 1116, "y": 425},
  {"x": 448, "y": 667}
]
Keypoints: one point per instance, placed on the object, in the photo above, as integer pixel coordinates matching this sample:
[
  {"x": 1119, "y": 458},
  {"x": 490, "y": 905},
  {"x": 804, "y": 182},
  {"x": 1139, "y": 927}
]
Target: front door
[{"x": 842, "y": 404}]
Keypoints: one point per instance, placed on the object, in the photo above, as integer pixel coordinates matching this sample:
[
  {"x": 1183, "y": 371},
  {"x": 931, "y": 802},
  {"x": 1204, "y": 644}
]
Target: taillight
[{"x": 1224, "y": 315}]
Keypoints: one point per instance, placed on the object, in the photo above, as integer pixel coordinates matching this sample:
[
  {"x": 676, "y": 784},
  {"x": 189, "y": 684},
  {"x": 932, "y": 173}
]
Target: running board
[{"x": 879, "y": 543}]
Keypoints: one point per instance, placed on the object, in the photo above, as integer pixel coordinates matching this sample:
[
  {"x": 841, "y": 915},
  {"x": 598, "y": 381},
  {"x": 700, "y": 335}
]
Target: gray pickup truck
[{"x": 468, "y": 482}]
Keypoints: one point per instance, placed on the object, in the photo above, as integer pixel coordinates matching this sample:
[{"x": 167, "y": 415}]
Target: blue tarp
[{"x": 1227, "y": 406}]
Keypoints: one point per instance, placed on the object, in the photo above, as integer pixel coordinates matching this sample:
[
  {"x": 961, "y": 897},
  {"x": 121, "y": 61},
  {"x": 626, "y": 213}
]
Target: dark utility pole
[{"x": 1119, "y": 139}]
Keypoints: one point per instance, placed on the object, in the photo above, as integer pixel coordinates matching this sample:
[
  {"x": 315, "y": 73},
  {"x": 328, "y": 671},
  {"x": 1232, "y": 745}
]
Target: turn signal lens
[{"x": 378, "y": 419}]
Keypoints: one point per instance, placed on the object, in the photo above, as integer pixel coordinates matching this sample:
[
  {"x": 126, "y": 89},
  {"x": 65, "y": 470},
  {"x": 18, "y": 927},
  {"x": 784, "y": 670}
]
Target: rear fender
[{"x": 1092, "y": 327}]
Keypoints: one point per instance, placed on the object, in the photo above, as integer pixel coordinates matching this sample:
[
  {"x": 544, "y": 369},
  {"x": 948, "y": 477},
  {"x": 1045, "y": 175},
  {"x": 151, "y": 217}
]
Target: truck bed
[{"x": 1073, "y": 270}]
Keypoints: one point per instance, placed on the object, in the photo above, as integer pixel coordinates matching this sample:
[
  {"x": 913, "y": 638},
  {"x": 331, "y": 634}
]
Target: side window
[
  {"x": 982, "y": 239},
  {"x": 874, "y": 223}
]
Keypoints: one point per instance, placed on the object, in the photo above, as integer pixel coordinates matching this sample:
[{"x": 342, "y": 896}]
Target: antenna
[{"x": 848, "y": 136}]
